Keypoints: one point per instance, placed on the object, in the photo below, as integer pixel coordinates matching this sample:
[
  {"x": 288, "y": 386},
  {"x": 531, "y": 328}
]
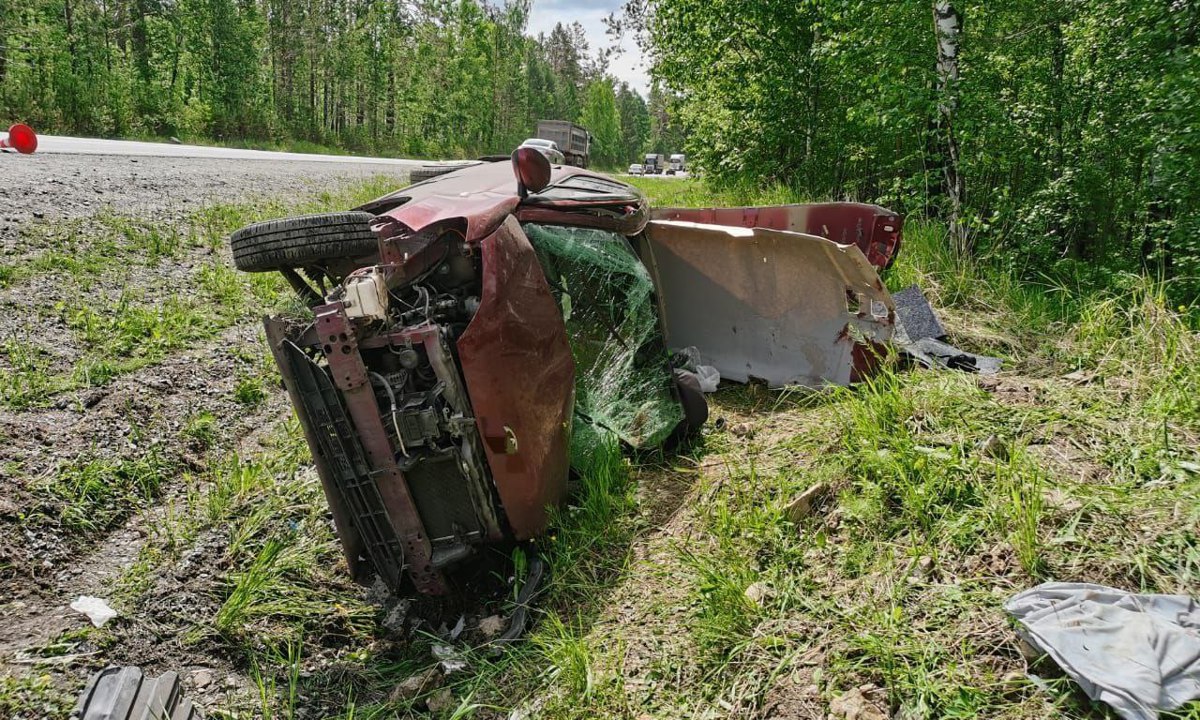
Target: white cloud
[{"x": 628, "y": 65}]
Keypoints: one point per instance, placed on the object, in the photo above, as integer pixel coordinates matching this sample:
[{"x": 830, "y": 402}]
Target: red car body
[{"x": 498, "y": 379}]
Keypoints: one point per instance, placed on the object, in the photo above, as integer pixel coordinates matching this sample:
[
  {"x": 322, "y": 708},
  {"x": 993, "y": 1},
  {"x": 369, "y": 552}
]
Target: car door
[{"x": 784, "y": 307}]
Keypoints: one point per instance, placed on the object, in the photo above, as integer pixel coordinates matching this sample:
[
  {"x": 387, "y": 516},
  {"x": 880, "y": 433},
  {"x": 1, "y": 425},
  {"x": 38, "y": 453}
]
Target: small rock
[
  {"x": 38, "y": 214},
  {"x": 416, "y": 685},
  {"x": 441, "y": 701},
  {"x": 1012, "y": 684},
  {"x": 395, "y": 618},
  {"x": 759, "y": 593},
  {"x": 1029, "y": 652},
  {"x": 993, "y": 447},
  {"x": 742, "y": 430},
  {"x": 802, "y": 506},
  {"x": 854, "y": 705},
  {"x": 202, "y": 678},
  {"x": 1079, "y": 377},
  {"x": 491, "y": 626}
]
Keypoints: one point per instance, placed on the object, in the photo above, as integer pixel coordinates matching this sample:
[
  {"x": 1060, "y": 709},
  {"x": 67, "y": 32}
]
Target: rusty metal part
[
  {"x": 521, "y": 378},
  {"x": 874, "y": 229},
  {"x": 784, "y": 307},
  {"x": 481, "y": 196},
  {"x": 350, "y": 375}
]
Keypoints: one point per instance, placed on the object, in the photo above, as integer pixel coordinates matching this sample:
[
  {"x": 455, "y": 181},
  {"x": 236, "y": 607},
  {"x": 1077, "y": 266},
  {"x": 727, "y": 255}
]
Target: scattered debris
[
  {"x": 707, "y": 376},
  {"x": 416, "y": 685},
  {"x": 936, "y": 354},
  {"x": 96, "y": 609},
  {"x": 920, "y": 335},
  {"x": 394, "y": 620},
  {"x": 1139, "y": 654},
  {"x": 804, "y": 503},
  {"x": 491, "y": 626},
  {"x": 126, "y": 693},
  {"x": 450, "y": 659},
  {"x": 441, "y": 701},
  {"x": 458, "y": 627},
  {"x": 916, "y": 314},
  {"x": 858, "y": 704}
]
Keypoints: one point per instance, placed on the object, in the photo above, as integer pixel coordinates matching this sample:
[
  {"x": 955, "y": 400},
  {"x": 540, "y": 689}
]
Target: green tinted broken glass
[{"x": 623, "y": 381}]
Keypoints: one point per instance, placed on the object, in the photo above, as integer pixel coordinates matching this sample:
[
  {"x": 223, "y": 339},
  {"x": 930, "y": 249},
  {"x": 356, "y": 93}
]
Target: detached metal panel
[{"x": 783, "y": 307}]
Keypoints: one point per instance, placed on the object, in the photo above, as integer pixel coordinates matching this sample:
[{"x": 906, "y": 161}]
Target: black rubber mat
[{"x": 117, "y": 693}]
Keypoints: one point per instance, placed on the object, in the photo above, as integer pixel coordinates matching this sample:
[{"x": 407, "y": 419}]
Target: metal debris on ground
[
  {"x": 117, "y": 693},
  {"x": 920, "y": 336},
  {"x": 1139, "y": 654}
]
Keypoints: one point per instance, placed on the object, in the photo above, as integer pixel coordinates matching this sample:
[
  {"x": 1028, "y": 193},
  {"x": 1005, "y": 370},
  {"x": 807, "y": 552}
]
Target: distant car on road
[
  {"x": 636, "y": 169},
  {"x": 549, "y": 148}
]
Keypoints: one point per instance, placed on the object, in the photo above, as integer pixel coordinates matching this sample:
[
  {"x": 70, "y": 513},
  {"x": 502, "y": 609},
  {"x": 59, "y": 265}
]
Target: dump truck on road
[{"x": 573, "y": 140}]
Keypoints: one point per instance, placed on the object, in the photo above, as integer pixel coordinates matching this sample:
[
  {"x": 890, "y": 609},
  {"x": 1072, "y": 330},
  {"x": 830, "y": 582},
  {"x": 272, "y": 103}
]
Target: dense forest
[
  {"x": 1059, "y": 137},
  {"x": 437, "y": 78}
]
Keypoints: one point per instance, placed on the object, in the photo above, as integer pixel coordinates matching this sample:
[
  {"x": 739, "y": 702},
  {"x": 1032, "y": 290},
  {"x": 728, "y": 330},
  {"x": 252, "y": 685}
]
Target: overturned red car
[{"x": 473, "y": 335}]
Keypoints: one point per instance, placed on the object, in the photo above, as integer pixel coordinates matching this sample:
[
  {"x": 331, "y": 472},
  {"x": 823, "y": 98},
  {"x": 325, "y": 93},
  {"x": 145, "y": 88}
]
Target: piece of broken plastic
[{"x": 96, "y": 609}]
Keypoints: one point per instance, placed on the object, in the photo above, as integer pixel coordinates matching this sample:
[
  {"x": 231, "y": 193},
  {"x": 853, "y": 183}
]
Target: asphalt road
[{"x": 91, "y": 146}]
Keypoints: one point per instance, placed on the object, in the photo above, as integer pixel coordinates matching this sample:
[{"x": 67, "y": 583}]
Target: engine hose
[{"x": 395, "y": 412}]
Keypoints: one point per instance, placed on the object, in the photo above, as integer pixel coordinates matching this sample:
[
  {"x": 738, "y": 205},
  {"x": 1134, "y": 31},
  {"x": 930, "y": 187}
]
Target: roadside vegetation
[
  {"x": 123, "y": 296},
  {"x": 694, "y": 585}
]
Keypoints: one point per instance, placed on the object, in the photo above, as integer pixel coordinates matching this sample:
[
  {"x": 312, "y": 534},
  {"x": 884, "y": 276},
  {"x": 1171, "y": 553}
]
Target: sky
[{"x": 627, "y": 66}]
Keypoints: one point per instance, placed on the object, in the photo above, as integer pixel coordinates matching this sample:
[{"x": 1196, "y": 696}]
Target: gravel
[{"x": 54, "y": 186}]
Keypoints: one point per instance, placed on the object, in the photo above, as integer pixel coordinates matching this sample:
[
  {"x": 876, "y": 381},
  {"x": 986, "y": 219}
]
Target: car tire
[
  {"x": 303, "y": 240},
  {"x": 428, "y": 172}
]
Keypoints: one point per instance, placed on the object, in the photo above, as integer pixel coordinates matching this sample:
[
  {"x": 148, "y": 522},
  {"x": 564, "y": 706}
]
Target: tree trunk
[{"x": 947, "y": 26}]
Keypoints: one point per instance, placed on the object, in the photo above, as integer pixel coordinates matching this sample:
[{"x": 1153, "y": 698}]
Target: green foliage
[
  {"x": 600, "y": 117},
  {"x": 1075, "y": 123},
  {"x": 444, "y": 78}
]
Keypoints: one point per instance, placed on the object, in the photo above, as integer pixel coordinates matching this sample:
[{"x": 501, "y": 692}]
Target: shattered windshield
[{"x": 623, "y": 378}]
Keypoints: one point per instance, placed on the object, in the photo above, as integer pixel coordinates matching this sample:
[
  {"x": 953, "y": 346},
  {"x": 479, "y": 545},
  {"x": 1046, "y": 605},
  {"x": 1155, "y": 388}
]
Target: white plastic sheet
[{"x": 1138, "y": 653}]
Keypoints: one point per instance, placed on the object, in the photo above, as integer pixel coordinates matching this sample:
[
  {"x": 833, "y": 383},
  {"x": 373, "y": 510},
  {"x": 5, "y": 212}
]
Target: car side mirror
[{"x": 532, "y": 170}]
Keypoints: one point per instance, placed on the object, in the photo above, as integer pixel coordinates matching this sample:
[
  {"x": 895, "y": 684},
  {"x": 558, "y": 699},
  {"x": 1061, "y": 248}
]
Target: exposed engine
[{"x": 406, "y": 336}]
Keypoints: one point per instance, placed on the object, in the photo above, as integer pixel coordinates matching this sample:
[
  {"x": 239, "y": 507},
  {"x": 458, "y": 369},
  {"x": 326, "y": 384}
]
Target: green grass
[
  {"x": 31, "y": 698},
  {"x": 93, "y": 494}
]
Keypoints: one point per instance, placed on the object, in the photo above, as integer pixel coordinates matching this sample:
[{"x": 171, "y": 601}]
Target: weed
[
  {"x": 201, "y": 428},
  {"x": 93, "y": 494},
  {"x": 249, "y": 390}
]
